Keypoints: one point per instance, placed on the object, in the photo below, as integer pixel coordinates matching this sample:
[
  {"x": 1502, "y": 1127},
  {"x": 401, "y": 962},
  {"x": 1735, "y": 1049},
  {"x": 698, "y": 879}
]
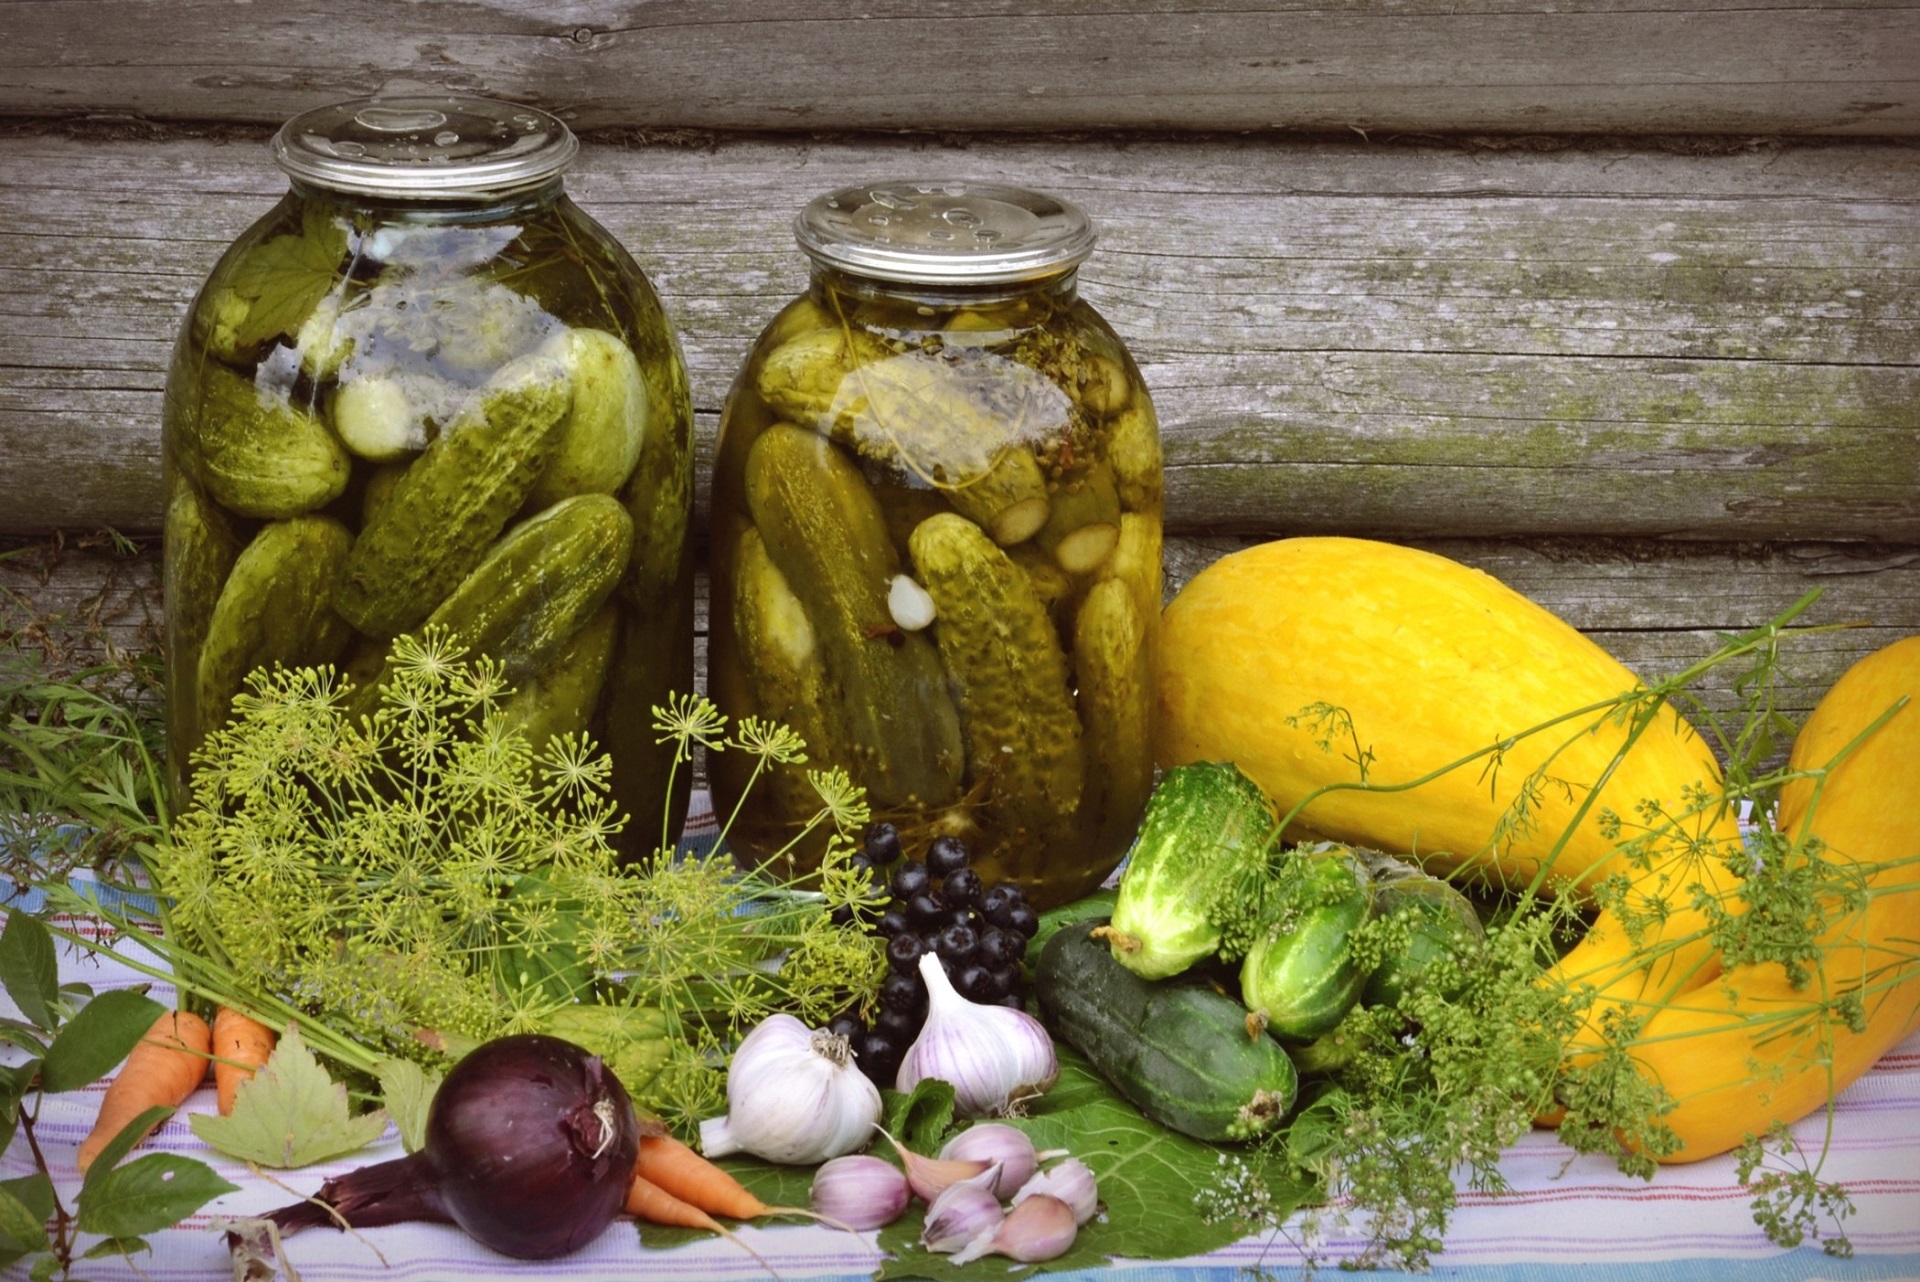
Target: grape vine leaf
[
  {"x": 408, "y": 1091},
  {"x": 291, "y": 1114},
  {"x": 283, "y": 278}
]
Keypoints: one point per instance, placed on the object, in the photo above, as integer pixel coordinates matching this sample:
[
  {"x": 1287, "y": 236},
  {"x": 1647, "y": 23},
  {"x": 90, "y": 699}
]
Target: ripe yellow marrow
[
  {"x": 1426, "y": 661},
  {"x": 1750, "y": 1050}
]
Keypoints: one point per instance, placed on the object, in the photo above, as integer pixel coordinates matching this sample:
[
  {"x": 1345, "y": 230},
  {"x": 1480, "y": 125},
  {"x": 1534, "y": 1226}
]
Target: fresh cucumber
[
  {"x": 1301, "y": 976},
  {"x": 1181, "y": 1053}
]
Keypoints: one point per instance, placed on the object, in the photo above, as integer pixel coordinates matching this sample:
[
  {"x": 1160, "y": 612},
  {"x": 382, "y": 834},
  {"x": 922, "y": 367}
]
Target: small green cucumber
[
  {"x": 256, "y": 453},
  {"x": 561, "y": 697},
  {"x": 448, "y": 507},
  {"x": 602, "y": 435},
  {"x": 1111, "y": 664},
  {"x": 1181, "y": 1053},
  {"x": 276, "y": 608},
  {"x": 201, "y": 548},
  {"x": 1439, "y": 922},
  {"x": 1300, "y": 977}
]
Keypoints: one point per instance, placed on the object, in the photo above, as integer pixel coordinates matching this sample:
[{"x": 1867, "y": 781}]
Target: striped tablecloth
[{"x": 1566, "y": 1218}]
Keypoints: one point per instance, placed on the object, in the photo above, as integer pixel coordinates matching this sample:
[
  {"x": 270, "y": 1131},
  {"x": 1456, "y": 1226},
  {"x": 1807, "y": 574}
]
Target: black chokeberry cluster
[{"x": 939, "y": 906}]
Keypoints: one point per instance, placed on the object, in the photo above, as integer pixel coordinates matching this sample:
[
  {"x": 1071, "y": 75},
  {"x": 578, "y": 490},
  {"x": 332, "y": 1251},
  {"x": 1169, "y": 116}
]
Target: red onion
[{"x": 530, "y": 1148}]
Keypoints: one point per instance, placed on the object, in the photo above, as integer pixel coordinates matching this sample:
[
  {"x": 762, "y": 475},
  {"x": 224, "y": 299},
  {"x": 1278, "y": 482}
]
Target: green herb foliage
[{"x": 70, "y": 1038}]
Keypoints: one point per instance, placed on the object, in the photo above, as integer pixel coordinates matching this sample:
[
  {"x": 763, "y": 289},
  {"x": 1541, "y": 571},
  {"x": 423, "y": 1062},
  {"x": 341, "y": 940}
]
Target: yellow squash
[{"x": 1752, "y": 1050}]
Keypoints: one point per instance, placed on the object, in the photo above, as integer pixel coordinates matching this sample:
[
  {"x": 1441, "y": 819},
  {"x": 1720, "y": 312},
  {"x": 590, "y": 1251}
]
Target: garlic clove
[
  {"x": 994, "y": 1057},
  {"x": 996, "y": 1142},
  {"x": 962, "y": 1213},
  {"x": 860, "y": 1191},
  {"x": 1070, "y": 1181},
  {"x": 928, "y": 1177},
  {"x": 1040, "y": 1228}
]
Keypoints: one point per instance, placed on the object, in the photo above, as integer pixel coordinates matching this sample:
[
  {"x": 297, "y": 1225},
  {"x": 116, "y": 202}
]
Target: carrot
[
  {"x": 161, "y": 1071},
  {"x": 677, "y": 1170},
  {"x": 648, "y": 1201},
  {"x": 241, "y": 1044}
]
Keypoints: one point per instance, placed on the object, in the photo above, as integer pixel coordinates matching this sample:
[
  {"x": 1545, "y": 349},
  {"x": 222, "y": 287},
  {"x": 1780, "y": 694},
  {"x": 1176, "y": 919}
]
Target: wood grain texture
[
  {"x": 1657, "y": 607},
  {"x": 1405, "y": 342},
  {"x": 1737, "y": 66}
]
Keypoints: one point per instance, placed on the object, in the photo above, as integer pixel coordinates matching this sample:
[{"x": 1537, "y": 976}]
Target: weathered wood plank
[
  {"x": 1407, "y": 342},
  {"x": 1658, "y": 607},
  {"x": 1504, "y": 65}
]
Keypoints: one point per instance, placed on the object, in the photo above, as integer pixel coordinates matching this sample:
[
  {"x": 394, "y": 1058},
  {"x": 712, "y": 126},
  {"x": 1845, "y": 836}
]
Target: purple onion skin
[{"x": 530, "y": 1148}]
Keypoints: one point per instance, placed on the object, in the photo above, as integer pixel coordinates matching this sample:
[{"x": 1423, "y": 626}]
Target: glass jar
[
  {"x": 425, "y": 388},
  {"x": 936, "y": 539}
]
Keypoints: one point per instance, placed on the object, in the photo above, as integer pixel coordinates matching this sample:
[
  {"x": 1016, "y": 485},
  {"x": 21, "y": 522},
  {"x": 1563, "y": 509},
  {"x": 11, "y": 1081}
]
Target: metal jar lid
[
  {"x": 944, "y": 233},
  {"x": 437, "y": 147}
]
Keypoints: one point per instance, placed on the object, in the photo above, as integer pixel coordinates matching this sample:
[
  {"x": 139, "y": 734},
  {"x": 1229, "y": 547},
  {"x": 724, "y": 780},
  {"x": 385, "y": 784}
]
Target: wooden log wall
[{"x": 1615, "y": 302}]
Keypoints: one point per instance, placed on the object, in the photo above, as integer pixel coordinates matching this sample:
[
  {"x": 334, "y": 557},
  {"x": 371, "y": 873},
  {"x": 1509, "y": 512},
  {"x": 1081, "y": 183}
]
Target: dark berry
[
  {"x": 1004, "y": 980},
  {"x": 1022, "y": 918},
  {"x": 997, "y": 901},
  {"x": 946, "y": 855},
  {"x": 957, "y": 942},
  {"x": 910, "y": 879},
  {"x": 847, "y": 1026},
  {"x": 903, "y": 953},
  {"x": 900, "y": 991},
  {"x": 899, "y": 1025},
  {"x": 893, "y": 922},
  {"x": 924, "y": 911},
  {"x": 1000, "y": 947},
  {"x": 975, "y": 983},
  {"x": 963, "y": 917},
  {"x": 1014, "y": 1000},
  {"x": 882, "y": 843},
  {"x": 841, "y": 915},
  {"x": 962, "y": 886},
  {"x": 878, "y": 1057}
]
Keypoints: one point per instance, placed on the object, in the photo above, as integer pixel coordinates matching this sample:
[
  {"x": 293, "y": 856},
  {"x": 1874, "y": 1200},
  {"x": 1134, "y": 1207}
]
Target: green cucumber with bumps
[
  {"x": 1181, "y": 1053},
  {"x": 1300, "y": 977}
]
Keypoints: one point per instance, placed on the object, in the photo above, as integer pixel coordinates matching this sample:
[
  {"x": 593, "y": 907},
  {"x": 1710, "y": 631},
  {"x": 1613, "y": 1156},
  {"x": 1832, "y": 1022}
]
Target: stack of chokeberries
[{"x": 940, "y": 906}]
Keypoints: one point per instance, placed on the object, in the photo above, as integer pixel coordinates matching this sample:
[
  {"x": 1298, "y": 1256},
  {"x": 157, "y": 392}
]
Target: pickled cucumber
[
  {"x": 258, "y": 455},
  {"x": 1009, "y": 676},
  {"x": 1111, "y": 663},
  {"x": 201, "y": 548},
  {"x": 560, "y": 698},
  {"x": 800, "y": 378},
  {"x": 1008, "y": 500},
  {"x": 276, "y": 608},
  {"x": 445, "y": 512},
  {"x": 1134, "y": 453},
  {"x": 1085, "y": 521},
  {"x": 1136, "y": 559},
  {"x": 825, "y": 532},
  {"x": 652, "y": 658},
  {"x": 601, "y": 437}
]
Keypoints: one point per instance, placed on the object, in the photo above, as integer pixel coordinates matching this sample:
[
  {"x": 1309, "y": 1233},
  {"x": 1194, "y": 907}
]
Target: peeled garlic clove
[
  {"x": 860, "y": 1191},
  {"x": 996, "y": 1142},
  {"x": 910, "y": 604},
  {"x": 1040, "y": 1228},
  {"x": 963, "y": 1213},
  {"x": 1070, "y": 1181}
]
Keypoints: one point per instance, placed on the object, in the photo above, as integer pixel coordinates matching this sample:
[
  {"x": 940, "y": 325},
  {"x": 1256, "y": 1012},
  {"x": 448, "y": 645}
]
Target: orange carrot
[
  {"x": 680, "y": 1172},
  {"x": 241, "y": 1045},
  {"x": 162, "y": 1070},
  {"x": 648, "y": 1201}
]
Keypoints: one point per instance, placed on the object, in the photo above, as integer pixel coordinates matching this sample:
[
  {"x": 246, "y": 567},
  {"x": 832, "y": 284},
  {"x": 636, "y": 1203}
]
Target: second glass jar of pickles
[{"x": 936, "y": 538}]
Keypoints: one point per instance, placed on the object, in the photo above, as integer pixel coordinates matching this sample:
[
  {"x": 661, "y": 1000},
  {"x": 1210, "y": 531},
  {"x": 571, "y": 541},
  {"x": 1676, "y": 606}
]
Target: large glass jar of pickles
[
  {"x": 936, "y": 538},
  {"x": 427, "y": 389}
]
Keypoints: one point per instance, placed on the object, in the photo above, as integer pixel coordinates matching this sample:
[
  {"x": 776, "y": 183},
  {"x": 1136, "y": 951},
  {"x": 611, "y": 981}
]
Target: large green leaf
[
  {"x": 122, "y": 1141},
  {"x": 29, "y": 968},
  {"x": 96, "y": 1039},
  {"x": 291, "y": 1114},
  {"x": 148, "y": 1194},
  {"x": 407, "y": 1089},
  {"x": 23, "y": 1227}
]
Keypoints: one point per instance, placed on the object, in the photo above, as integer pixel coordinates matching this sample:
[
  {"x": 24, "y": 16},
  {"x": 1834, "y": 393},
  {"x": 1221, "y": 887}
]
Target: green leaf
[
  {"x": 148, "y": 1194},
  {"x": 44, "y": 1268},
  {"x": 285, "y": 277},
  {"x": 920, "y": 1120},
  {"x": 408, "y": 1091},
  {"x": 20, "y": 1228},
  {"x": 115, "y": 1246},
  {"x": 123, "y": 1141},
  {"x": 35, "y": 1193},
  {"x": 25, "y": 1036},
  {"x": 290, "y": 1114},
  {"x": 29, "y": 968},
  {"x": 96, "y": 1039}
]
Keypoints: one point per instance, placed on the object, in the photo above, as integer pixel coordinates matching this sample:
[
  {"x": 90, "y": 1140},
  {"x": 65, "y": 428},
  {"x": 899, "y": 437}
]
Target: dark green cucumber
[
  {"x": 1181, "y": 1053},
  {"x": 257, "y": 453},
  {"x": 1439, "y": 922},
  {"x": 1203, "y": 853},
  {"x": 1301, "y": 977}
]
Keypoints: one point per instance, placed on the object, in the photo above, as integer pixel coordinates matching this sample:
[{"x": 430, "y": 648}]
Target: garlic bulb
[
  {"x": 993, "y": 1056},
  {"x": 793, "y": 1096}
]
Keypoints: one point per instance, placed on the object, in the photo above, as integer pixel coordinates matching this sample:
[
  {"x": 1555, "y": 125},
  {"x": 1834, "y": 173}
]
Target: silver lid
[
  {"x": 439, "y": 147},
  {"x": 944, "y": 233}
]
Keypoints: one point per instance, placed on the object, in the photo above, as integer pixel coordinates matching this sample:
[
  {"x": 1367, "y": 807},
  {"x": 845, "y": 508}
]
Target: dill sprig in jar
[
  {"x": 936, "y": 537},
  {"x": 425, "y": 388}
]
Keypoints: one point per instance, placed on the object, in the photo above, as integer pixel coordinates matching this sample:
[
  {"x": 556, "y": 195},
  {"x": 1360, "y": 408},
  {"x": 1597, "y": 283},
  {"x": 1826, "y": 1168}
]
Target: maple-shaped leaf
[
  {"x": 291, "y": 1114},
  {"x": 282, "y": 279},
  {"x": 408, "y": 1090}
]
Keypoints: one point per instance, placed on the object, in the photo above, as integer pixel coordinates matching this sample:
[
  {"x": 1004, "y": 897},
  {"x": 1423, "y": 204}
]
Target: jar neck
[
  {"x": 482, "y": 207},
  {"x": 1055, "y": 291}
]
